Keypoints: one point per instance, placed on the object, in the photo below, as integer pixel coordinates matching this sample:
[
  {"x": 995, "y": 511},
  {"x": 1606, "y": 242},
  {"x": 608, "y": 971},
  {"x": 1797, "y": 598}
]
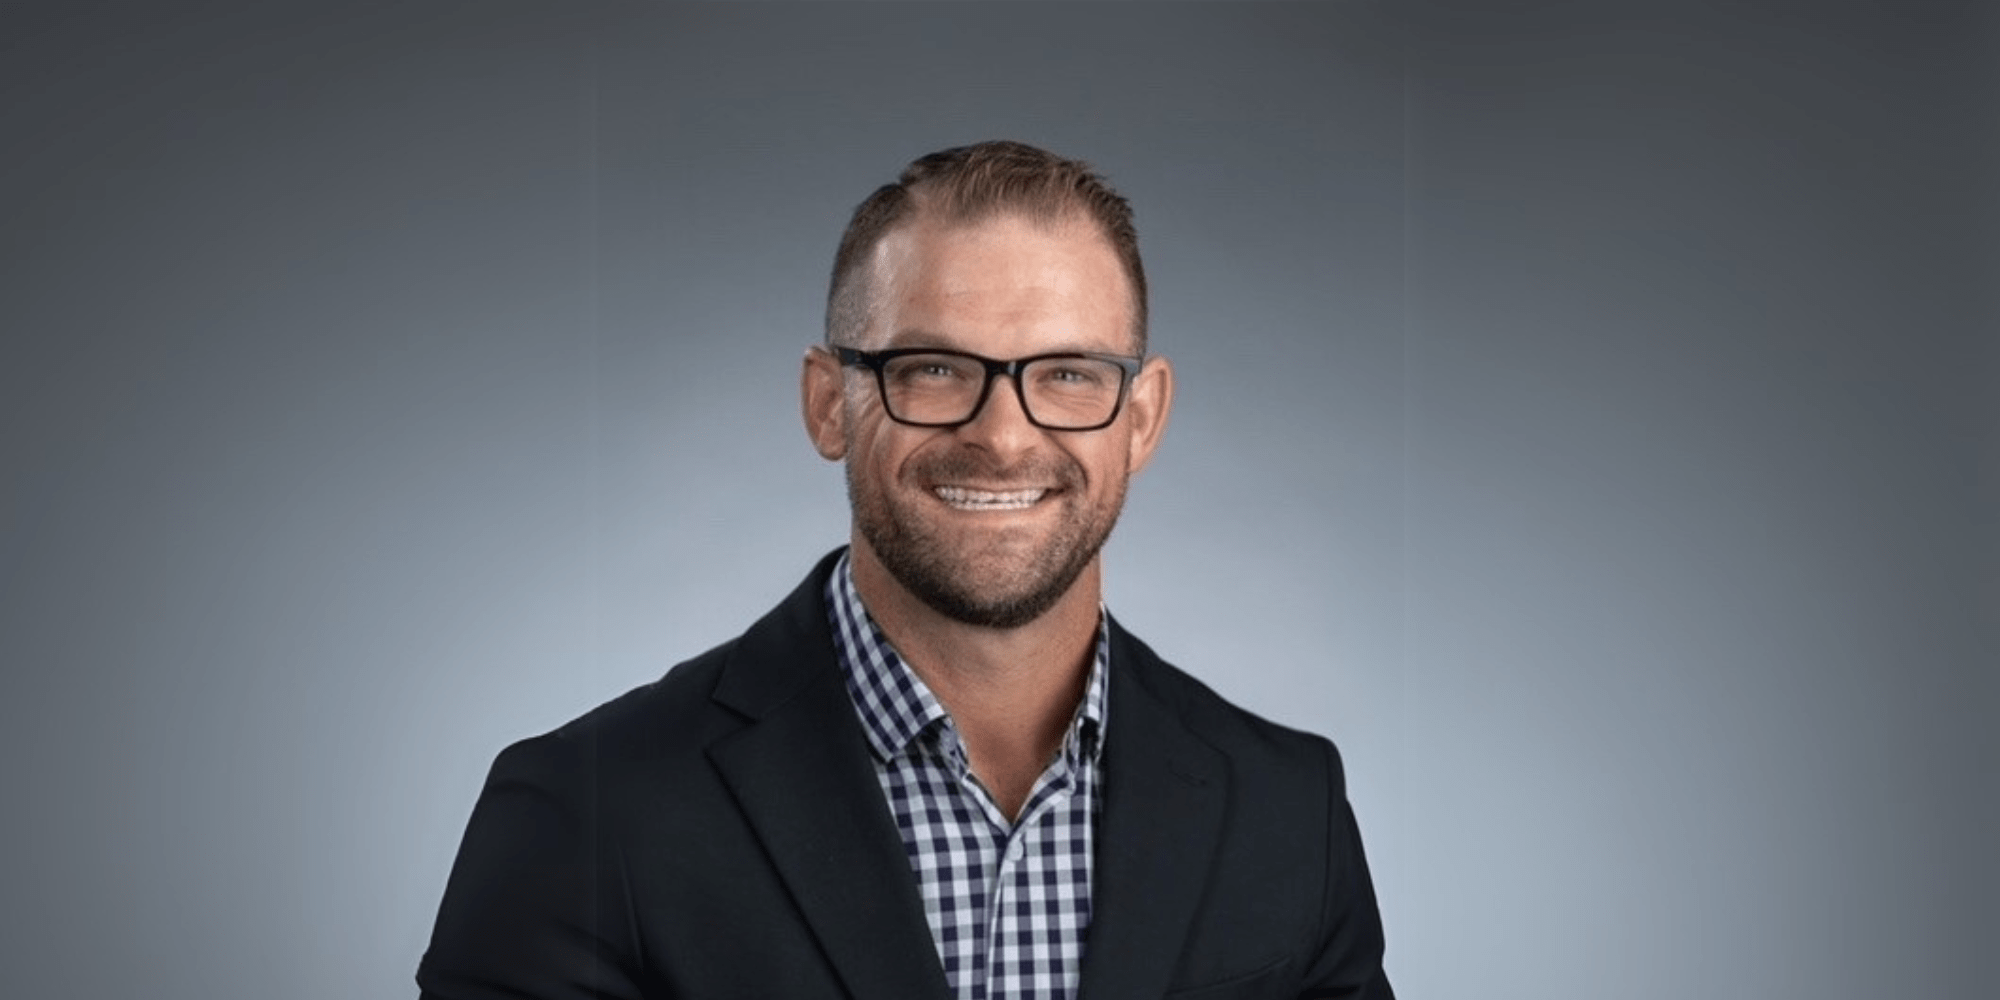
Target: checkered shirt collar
[{"x": 897, "y": 707}]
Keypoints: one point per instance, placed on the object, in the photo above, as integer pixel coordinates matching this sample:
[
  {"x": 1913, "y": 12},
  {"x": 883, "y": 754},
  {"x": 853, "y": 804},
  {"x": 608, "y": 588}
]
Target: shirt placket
[{"x": 1014, "y": 850}]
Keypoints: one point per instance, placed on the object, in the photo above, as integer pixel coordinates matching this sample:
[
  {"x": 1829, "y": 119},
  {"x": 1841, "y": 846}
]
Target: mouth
[{"x": 967, "y": 498}]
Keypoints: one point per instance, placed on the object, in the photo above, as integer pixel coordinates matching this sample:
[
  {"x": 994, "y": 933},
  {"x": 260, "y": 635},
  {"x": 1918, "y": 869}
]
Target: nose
[{"x": 1001, "y": 425}]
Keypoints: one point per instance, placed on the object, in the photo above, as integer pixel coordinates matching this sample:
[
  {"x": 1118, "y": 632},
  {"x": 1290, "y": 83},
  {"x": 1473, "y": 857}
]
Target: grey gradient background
[{"x": 1588, "y": 417}]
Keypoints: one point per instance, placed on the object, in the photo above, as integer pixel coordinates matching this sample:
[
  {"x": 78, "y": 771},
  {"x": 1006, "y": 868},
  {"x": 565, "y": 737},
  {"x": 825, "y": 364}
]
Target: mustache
[{"x": 978, "y": 466}]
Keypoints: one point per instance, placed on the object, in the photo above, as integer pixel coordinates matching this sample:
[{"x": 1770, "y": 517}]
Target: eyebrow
[{"x": 916, "y": 337}]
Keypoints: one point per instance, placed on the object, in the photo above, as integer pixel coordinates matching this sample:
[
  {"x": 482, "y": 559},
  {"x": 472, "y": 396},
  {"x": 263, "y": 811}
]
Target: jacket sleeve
[
  {"x": 1349, "y": 963},
  {"x": 536, "y": 906}
]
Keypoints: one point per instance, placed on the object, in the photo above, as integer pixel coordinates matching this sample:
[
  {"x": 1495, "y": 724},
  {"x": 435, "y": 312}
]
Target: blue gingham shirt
[{"x": 1008, "y": 903}]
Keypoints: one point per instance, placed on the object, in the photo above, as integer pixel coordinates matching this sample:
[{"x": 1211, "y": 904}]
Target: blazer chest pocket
[{"x": 1264, "y": 983}]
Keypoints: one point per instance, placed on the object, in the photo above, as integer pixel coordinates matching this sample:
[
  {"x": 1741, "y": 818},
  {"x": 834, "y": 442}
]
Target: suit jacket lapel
[
  {"x": 1164, "y": 798},
  {"x": 801, "y": 772}
]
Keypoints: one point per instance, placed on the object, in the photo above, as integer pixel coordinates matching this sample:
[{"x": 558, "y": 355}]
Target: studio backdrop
[{"x": 1586, "y": 418}]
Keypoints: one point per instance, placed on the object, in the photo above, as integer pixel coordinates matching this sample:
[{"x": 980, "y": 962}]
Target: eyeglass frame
[{"x": 1128, "y": 367}]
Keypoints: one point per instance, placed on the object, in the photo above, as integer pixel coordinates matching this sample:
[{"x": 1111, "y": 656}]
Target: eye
[
  {"x": 1071, "y": 374},
  {"x": 931, "y": 370}
]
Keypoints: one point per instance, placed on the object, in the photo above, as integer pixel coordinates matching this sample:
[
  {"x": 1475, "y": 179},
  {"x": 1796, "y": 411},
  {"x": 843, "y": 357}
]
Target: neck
[{"x": 1011, "y": 692}]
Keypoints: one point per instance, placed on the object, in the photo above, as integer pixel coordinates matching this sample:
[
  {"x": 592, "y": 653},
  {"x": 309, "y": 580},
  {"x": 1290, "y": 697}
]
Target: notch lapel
[
  {"x": 801, "y": 772},
  {"x": 1164, "y": 797}
]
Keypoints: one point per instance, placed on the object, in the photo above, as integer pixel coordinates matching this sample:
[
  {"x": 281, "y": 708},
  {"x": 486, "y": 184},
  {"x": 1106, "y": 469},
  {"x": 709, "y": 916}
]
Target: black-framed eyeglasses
[{"x": 925, "y": 387}]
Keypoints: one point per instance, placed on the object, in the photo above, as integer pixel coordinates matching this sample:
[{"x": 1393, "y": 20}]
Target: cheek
[
  {"x": 879, "y": 449},
  {"x": 1109, "y": 461}
]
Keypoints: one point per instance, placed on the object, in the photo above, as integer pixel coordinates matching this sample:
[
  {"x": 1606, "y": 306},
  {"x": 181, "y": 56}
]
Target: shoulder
[
  {"x": 660, "y": 721},
  {"x": 565, "y": 840},
  {"x": 1193, "y": 702},
  {"x": 1255, "y": 745},
  {"x": 1287, "y": 868},
  {"x": 786, "y": 653}
]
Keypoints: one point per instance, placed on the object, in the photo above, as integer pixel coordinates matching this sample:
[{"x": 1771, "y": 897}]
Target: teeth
[{"x": 967, "y": 499}]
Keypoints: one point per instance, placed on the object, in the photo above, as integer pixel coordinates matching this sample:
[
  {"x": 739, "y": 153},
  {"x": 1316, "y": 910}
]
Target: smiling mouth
[{"x": 963, "y": 498}]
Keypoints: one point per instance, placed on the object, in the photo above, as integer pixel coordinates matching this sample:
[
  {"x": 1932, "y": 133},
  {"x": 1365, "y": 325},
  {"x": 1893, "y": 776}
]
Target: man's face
[{"x": 990, "y": 523}]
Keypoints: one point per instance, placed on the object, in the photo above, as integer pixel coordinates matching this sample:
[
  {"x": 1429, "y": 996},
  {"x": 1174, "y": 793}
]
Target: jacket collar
[{"x": 801, "y": 771}]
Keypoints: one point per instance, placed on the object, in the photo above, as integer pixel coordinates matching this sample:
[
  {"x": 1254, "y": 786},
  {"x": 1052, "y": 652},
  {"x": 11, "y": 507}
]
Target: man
[{"x": 939, "y": 769}]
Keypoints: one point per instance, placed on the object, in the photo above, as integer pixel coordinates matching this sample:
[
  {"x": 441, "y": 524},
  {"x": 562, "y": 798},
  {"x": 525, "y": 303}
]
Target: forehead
[{"x": 1000, "y": 284}]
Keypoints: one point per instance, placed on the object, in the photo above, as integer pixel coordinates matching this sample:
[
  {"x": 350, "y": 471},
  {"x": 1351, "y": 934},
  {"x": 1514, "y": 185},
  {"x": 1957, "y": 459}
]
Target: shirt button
[{"x": 1015, "y": 850}]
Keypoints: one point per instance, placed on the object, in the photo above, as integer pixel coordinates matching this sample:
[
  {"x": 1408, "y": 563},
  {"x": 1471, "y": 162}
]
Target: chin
[
  {"x": 1021, "y": 589},
  {"x": 987, "y": 610}
]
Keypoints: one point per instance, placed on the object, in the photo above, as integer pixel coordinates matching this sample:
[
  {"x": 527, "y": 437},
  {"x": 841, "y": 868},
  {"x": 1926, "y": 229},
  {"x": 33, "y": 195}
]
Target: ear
[
  {"x": 823, "y": 400},
  {"x": 1146, "y": 406}
]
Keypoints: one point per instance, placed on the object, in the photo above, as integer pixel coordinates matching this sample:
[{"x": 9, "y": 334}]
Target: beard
[{"x": 1000, "y": 583}]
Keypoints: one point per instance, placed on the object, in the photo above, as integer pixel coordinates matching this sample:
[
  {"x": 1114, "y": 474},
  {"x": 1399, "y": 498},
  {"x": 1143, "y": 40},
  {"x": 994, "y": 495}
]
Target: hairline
[{"x": 860, "y": 287}]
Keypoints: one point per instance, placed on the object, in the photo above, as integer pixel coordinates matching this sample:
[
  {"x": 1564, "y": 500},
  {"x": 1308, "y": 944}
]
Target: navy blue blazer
[{"x": 720, "y": 833}]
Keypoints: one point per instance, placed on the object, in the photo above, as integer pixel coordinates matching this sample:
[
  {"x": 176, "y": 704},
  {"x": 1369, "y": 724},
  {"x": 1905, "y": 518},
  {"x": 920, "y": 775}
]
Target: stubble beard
[{"x": 940, "y": 572}]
